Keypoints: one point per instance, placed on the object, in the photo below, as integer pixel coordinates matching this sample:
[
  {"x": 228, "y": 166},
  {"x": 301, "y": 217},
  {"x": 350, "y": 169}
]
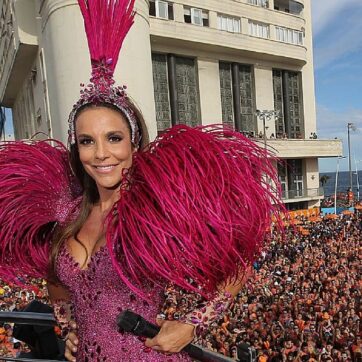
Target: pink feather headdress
[
  {"x": 194, "y": 209},
  {"x": 107, "y": 23},
  {"x": 37, "y": 191}
]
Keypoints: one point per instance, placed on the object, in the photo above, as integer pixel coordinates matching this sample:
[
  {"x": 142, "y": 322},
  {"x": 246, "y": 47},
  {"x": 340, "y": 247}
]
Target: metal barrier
[
  {"x": 245, "y": 353},
  {"x": 36, "y": 319},
  {"x": 6, "y": 359}
]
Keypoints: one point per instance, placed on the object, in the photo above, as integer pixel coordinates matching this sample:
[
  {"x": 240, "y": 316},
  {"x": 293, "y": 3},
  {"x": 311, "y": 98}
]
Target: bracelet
[
  {"x": 208, "y": 312},
  {"x": 63, "y": 313}
]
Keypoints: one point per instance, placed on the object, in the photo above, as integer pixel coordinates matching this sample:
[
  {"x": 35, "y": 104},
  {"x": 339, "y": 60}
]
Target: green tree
[{"x": 324, "y": 179}]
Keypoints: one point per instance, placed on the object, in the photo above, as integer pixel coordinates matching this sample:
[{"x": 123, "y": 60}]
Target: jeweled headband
[{"x": 106, "y": 24}]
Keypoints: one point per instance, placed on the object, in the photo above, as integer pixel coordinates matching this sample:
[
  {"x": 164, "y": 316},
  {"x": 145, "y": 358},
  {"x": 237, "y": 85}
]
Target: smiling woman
[
  {"x": 102, "y": 152},
  {"x": 104, "y": 145},
  {"x": 122, "y": 222}
]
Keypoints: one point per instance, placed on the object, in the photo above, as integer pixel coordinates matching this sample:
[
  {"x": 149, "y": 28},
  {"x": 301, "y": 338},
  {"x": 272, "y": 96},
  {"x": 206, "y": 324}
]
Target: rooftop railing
[{"x": 304, "y": 193}]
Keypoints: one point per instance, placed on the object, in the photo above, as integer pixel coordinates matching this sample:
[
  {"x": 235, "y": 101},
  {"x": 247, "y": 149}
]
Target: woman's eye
[
  {"x": 85, "y": 141},
  {"x": 115, "y": 138}
]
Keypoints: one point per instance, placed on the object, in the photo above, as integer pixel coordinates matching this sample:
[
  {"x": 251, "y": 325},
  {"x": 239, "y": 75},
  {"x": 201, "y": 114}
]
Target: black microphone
[{"x": 131, "y": 322}]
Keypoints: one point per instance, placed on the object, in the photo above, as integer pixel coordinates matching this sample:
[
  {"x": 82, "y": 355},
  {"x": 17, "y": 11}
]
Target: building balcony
[
  {"x": 294, "y": 7},
  {"x": 172, "y": 36},
  {"x": 303, "y": 195},
  {"x": 18, "y": 47},
  {"x": 313, "y": 148}
]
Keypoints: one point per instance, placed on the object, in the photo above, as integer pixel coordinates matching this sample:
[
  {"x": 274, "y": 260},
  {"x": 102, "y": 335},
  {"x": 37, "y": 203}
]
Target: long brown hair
[{"x": 89, "y": 187}]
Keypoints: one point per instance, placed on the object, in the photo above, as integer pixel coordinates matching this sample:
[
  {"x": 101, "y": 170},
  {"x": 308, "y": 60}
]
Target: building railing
[{"x": 300, "y": 194}]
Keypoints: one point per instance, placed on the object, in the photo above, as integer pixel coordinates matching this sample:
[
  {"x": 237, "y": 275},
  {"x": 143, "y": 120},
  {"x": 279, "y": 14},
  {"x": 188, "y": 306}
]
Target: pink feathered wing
[
  {"x": 194, "y": 209},
  {"x": 35, "y": 193}
]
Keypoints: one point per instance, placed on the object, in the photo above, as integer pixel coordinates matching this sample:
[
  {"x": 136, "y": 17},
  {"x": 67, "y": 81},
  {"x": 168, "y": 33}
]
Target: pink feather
[
  {"x": 35, "y": 193},
  {"x": 194, "y": 207},
  {"x": 107, "y": 23}
]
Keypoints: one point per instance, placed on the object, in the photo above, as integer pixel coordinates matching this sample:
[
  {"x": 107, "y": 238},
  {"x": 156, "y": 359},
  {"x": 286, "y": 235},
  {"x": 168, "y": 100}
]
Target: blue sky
[
  {"x": 337, "y": 29},
  {"x": 8, "y": 124}
]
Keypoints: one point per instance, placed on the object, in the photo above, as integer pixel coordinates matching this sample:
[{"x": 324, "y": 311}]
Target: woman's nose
[{"x": 101, "y": 151}]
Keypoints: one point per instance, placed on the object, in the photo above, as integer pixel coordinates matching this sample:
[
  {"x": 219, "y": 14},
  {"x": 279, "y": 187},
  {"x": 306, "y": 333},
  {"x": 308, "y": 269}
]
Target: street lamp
[
  {"x": 357, "y": 178},
  {"x": 349, "y": 127},
  {"x": 266, "y": 115},
  {"x": 336, "y": 184}
]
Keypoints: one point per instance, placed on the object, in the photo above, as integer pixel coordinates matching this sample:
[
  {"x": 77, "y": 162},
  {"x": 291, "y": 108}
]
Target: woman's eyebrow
[
  {"x": 107, "y": 134},
  {"x": 114, "y": 132},
  {"x": 84, "y": 135}
]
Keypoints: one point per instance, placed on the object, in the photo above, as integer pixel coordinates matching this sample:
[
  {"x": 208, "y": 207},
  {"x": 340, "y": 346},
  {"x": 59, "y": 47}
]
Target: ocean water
[{"x": 343, "y": 182}]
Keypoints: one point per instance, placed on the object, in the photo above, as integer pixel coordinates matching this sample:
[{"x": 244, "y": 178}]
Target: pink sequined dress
[{"x": 98, "y": 297}]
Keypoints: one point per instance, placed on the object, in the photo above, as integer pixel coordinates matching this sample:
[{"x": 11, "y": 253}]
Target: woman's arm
[
  {"x": 214, "y": 309},
  {"x": 63, "y": 312},
  {"x": 175, "y": 335}
]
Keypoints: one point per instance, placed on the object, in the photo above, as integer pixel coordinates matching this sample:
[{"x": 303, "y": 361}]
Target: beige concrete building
[{"x": 184, "y": 61}]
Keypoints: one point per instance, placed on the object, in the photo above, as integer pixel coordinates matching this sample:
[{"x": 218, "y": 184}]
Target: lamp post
[
  {"x": 357, "y": 178},
  {"x": 266, "y": 115},
  {"x": 349, "y": 127},
  {"x": 336, "y": 184}
]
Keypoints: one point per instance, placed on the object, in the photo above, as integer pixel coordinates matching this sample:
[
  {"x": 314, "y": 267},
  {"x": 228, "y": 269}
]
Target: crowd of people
[
  {"x": 14, "y": 298},
  {"x": 302, "y": 301}
]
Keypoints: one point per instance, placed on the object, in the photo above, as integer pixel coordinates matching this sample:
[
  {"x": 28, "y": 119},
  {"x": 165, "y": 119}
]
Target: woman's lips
[{"x": 104, "y": 169}]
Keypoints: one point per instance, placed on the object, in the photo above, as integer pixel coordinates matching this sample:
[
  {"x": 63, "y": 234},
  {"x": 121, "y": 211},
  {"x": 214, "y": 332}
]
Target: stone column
[
  {"x": 264, "y": 96},
  {"x": 67, "y": 61}
]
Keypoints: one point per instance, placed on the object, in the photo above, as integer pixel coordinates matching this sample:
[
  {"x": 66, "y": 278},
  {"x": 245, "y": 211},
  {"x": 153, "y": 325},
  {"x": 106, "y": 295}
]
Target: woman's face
[{"x": 104, "y": 144}]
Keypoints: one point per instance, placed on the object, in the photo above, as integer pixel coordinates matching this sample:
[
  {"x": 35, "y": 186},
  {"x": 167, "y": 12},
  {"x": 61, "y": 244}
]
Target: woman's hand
[
  {"x": 71, "y": 342},
  {"x": 172, "y": 337}
]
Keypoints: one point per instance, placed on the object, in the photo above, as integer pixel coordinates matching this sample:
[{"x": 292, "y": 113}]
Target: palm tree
[{"x": 324, "y": 179}]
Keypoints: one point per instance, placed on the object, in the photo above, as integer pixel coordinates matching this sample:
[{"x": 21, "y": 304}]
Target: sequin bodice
[{"x": 98, "y": 296}]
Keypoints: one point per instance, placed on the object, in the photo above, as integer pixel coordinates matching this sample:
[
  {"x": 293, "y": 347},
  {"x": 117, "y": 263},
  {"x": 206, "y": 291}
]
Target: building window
[
  {"x": 295, "y": 171},
  {"x": 44, "y": 81},
  {"x": 24, "y": 112},
  {"x": 196, "y": 16},
  {"x": 259, "y": 30},
  {"x": 291, "y": 206},
  {"x": 287, "y": 35},
  {"x": 226, "y": 88},
  {"x": 290, "y": 173},
  {"x": 288, "y": 101},
  {"x": 228, "y": 23},
  {"x": 263, "y": 3},
  {"x": 237, "y": 96},
  {"x": 161, "y": 91},
  {"x": 176, "y": 91},
  {"x": 291, "y": 7},
  {"x": 187, "y": 90},
  {"x": 161, "y": 9},
  {"x": 282, "y": 176}
]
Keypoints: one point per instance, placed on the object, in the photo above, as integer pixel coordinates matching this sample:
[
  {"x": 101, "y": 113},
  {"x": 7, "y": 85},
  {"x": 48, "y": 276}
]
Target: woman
[
  {"x": 103, "y": 151},
  {"x": 191, "y": 211}
]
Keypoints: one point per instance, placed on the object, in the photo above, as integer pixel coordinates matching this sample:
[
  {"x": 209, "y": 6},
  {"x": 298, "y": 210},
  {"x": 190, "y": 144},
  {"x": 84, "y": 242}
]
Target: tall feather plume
[
  {"x": 107, "y": 23},
  {"x": 35, "y": 193},
  {"x": 194, "y": 209}
]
